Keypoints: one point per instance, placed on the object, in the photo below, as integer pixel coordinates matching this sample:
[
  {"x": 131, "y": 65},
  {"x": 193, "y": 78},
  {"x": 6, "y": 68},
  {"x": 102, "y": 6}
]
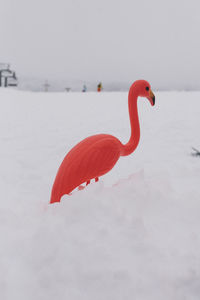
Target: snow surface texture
[{"x": 134, "y": 234}]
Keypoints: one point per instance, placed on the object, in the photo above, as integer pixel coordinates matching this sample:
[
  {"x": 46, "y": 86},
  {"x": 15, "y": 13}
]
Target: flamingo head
[{"x": 143, "y": 89}]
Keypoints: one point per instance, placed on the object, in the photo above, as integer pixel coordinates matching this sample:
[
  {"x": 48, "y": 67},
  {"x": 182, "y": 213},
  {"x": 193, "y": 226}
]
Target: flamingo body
[
  {"x": 97, "y": 155},
  {"x": 91, "y": 158}
]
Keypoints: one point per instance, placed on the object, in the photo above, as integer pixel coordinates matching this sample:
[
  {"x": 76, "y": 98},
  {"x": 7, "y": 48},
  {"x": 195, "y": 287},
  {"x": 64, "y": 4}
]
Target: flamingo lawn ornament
[{"x": 97, "y": 154}]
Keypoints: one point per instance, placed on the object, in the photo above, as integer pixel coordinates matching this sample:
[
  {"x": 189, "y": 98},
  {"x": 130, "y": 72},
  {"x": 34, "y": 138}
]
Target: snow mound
[{"x": 132, "y": 235}]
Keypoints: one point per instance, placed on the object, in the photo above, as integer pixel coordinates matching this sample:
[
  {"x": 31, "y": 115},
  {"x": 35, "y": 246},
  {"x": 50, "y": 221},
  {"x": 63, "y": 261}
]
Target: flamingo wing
[{"x": 91, "y": 158}]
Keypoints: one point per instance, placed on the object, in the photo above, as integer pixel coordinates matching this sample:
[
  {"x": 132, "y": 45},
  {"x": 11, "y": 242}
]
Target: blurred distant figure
[
  {"x": 46, "y": 86},
  {"x": 84, "y": 88},
  {"x": 99, "y": 87}
]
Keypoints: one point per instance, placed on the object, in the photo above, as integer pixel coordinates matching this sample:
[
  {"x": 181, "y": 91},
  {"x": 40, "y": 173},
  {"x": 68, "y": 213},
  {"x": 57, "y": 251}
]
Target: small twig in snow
[{"x": 196, "y": 152}]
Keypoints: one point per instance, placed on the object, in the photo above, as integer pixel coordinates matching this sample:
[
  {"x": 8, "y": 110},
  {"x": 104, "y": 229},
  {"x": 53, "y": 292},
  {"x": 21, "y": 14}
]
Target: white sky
[{"x": 108, "y": 40}]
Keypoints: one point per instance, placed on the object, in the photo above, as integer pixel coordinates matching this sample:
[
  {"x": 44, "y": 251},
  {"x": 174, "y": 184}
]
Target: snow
[{"x": 132, "y": 235}]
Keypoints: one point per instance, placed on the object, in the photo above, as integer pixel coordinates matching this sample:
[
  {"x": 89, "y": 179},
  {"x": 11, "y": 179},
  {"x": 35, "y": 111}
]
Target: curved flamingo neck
[{"x": 134, "y": 123}]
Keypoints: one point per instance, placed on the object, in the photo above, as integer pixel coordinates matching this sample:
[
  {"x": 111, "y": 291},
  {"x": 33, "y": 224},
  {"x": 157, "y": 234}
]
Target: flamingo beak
[{"x": 151, "y": 98}]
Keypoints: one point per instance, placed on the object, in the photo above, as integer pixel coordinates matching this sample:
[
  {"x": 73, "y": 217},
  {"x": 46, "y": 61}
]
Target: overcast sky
[{"x": 108, "y": 40}]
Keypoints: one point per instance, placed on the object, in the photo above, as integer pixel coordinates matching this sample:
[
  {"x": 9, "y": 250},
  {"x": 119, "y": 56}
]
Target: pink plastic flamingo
[{"x": 97, "y": 154}]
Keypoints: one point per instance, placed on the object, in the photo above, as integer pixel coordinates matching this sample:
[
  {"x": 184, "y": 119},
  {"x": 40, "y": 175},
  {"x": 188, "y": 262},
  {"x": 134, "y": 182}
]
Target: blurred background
[{"x": 65, "y": 44}]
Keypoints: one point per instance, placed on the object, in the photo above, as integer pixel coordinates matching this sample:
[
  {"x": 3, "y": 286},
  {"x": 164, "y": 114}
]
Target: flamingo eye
[{"x": 147, "y": 88}]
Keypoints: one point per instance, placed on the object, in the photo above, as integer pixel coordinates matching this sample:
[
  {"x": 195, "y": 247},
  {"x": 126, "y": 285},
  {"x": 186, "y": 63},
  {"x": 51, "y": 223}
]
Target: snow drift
[{"x": 133, "y": 235}]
